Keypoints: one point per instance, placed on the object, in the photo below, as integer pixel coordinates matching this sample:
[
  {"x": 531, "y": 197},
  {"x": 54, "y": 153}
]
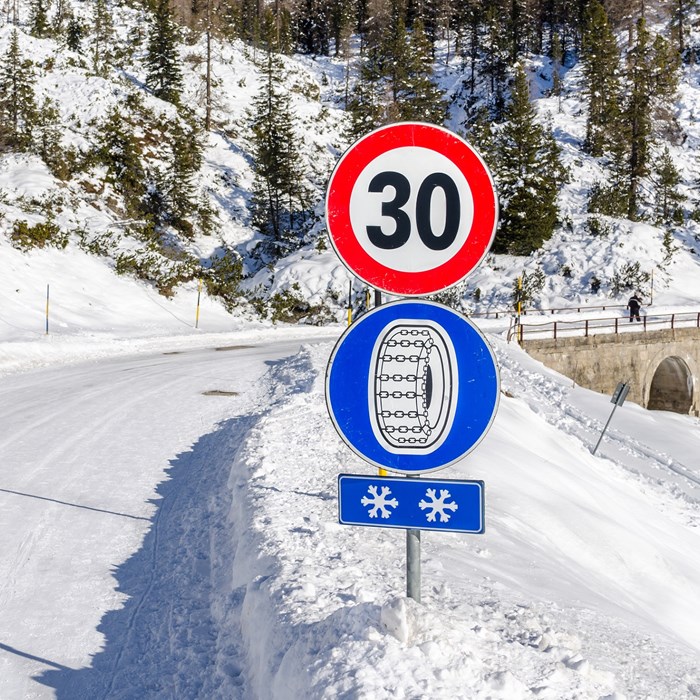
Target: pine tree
[
  {"x": 666, "y": 63},
  {"x": 38, "y": 18},
  {"x": 600, "y": 58},
  {"x": 419, "y": 99},
  {"x": 120, "y": 152},
  {"x": 495, "y": 59},
  {"x": 681, "y": 12},
  {"x": 187, "y": 152},
  {"x": 668, "y": 198},
  {"x": 164, "y": 76},
  {"x": 557, "y": 55},
  {"x": 61, "y": 12},
  {"x": 528, "y": 173},
  {"x": 651, "y": 82},
  {"x": 342, "y": 21},
  {"x": 313, "y": 21},
  {"x": 47, "y": 136},
  {"x": 637, "y": 115},
  {"x": 278, "y": 197},
  {"x": 249, "y": 20},
  {"x": 393, "y": 57},
  {"x": 17, "y": 102},
  {"x": 102, "y": 32},
  {"x": 75, "y": 33},
  {"x": 366, "y": 105},
  {"x": 468, "y": 20}
]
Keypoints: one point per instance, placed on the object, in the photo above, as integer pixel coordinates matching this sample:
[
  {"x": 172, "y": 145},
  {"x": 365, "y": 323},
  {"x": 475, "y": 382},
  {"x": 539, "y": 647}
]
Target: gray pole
[
  {"x": 413, "y": 564},
  {"x": 618, "y": 398},
  {"x": 413, "y": 561},
  {"x": 604, "y": 429},
  {"x": 412, "y": 536}
]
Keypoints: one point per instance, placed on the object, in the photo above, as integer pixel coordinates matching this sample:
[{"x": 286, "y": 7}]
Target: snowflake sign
[
  {"x": 379, "y": 501},
  {"x": 438, "y": 505},
  {"x": 414, "y": 504}
]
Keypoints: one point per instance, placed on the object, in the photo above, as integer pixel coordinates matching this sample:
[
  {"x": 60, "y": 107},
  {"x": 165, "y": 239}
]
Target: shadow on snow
[{"x": 162, "y": 643}]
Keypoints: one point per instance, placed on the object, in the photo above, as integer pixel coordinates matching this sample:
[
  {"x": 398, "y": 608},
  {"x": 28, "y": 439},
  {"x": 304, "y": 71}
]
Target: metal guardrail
[
  {"x": 500, "y": 313},
  {"x": 597, "y": 326}
]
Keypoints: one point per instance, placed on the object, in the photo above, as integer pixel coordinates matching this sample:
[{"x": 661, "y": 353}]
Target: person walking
[{"x": 634, "y": 304}]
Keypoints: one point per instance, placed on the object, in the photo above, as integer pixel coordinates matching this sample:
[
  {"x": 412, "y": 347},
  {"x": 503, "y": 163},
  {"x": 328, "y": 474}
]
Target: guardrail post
[
  {"x": 697, "y": 322},
  {"x": 673, "y": 320},
  {"x": 616, "y": 321},
  {"x": 555, "y": 330},
  {"x": 645, "y": 323},
  {"x": 586, "y": 328}
]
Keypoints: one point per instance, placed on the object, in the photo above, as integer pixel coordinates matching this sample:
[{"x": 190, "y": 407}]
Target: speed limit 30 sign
[{"x": 411, "y": 209}]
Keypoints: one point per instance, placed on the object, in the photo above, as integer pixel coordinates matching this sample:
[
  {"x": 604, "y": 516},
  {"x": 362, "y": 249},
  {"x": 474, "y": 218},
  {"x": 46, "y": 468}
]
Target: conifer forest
[{"x": 129, "y": 105}]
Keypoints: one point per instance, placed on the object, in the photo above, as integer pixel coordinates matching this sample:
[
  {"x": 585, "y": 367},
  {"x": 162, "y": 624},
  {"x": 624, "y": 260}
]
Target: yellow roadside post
[{"x": 199, "y": 294}]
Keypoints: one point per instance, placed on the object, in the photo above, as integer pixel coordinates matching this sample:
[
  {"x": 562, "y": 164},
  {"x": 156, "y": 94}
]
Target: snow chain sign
[
  {"x": 411, "y": 209},
  {"x": 412, "y": 386}
]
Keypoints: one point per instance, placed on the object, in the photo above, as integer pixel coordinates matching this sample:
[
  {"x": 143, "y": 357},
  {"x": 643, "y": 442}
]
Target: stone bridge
[{"x": 662, "y": 366}]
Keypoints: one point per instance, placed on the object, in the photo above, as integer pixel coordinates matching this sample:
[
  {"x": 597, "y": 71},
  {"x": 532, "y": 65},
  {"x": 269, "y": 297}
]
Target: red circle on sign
[{"x": 360, "y": 261}]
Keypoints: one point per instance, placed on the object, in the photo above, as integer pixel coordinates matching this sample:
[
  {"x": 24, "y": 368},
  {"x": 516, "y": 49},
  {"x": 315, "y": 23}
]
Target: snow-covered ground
[{"x": 168, "y": 513}]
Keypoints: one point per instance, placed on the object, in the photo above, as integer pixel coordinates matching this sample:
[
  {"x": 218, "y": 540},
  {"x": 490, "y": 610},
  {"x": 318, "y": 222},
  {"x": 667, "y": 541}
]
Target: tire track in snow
[
  {"x": 189, "y": 525},
  {"x": 138, "y": 607}
]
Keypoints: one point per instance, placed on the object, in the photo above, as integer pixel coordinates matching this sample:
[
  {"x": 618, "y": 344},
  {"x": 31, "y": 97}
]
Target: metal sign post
[
  {"x": 618, "y": 398},
  {"x": 413, "y": 564},
  {"x": 413, "y": 577}
]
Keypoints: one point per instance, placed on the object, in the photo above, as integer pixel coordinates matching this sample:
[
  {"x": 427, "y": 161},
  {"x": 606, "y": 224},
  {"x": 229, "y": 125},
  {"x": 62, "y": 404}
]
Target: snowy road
[{"x": 83, "y": 450}]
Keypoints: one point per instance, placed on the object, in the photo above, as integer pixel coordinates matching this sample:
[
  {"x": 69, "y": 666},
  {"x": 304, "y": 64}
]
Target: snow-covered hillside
[{"x": 577, "y": 266}]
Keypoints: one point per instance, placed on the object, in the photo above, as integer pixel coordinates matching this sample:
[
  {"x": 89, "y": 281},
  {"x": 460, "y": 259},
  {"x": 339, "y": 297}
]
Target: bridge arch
[
  {"x": 670, "y": 384},
  {"x": 598, "y": 362}
]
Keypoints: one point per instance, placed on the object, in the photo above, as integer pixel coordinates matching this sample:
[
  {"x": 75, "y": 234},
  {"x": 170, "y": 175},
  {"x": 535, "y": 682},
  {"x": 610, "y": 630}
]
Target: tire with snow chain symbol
[{"x": 412, "y": 386}]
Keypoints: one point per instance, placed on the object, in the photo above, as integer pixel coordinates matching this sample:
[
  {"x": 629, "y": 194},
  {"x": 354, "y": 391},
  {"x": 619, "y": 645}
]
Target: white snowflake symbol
[
  {"x": 438, "y": 505},
  {"x": 379, "y": 501}
]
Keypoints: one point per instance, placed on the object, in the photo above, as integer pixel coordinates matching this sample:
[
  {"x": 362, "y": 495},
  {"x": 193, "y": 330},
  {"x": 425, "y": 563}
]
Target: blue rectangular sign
[{"x": 421, "y": 504}]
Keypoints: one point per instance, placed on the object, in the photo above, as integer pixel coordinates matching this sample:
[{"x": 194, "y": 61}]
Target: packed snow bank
[{"x": 584, "y": 585}]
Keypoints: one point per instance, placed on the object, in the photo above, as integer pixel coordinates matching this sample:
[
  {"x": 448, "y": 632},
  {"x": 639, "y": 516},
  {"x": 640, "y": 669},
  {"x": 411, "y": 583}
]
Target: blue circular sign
[{"x": 412, "y": 386}]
